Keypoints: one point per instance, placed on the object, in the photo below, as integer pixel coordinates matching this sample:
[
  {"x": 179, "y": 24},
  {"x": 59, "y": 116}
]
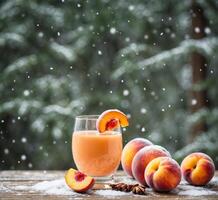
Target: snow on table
[{"x": 51, "y": 185}]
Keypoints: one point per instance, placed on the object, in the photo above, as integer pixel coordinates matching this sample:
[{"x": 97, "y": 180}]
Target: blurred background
[{"x": 154, "y": 60}]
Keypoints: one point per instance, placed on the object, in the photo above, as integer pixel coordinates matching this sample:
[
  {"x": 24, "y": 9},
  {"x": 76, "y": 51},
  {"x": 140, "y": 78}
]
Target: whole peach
[
  {"x": 163, "y": 174},
  {"x": 129, "y": 151},
  {"x": 198, "y": 168},
  {"x": 143, "y": 157}
]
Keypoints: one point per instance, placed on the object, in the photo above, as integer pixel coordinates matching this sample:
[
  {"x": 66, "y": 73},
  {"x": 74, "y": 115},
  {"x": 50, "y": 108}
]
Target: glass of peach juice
[{"x": 96, "y": 154}]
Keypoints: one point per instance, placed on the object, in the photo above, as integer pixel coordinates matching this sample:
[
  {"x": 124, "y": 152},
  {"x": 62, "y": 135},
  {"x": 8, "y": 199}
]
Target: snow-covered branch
[{"x": 206, "y": 46}]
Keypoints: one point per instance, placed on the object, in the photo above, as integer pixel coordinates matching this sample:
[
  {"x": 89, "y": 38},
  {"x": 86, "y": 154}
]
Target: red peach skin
[
  {"x": 129, "y": 151},
  {"x": 163, "y": 174},
  {"x": 198, "y": 169},
  {"x": 142, "y": 159}
]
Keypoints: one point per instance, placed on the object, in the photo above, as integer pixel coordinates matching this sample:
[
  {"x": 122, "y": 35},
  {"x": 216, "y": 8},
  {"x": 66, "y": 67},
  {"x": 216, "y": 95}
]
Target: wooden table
[{"x": 14, "y": 184}]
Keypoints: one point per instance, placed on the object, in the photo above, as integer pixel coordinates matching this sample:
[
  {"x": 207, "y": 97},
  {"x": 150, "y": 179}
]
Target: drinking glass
[{"x": 95, "y": 154}]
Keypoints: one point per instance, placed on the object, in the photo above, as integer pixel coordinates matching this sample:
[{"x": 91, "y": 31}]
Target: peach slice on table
[
  {"x": 111, "y": 119},
  {"x": 78, "y": 181}
]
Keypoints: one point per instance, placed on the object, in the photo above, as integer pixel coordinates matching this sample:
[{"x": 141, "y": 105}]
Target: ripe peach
[
  {"x": 143, "y": 157},
  {"x": 111, "y": 119},
  {"x": 129, "y": 151},
  {"x": 163, "y": 174},
  {"x": 78, "y": 181},
  {"x": 198, "y": 168}
]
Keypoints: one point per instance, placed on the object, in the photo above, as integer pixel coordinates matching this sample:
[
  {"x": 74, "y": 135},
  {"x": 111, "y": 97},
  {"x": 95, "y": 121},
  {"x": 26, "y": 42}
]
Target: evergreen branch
[
  {"x": 63, "y": 51},
  {"x": 24, "y": 106},
  {"x": 206, "y": 142},
  {"x": 11, "y": 37},
  {"x": 21, "y": 64},
  {"x": 206, "y": 46},
  {"x": 21, "y": 105}
]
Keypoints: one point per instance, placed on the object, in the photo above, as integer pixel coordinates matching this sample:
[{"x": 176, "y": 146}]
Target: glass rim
[{"x": 87, "y": 117}]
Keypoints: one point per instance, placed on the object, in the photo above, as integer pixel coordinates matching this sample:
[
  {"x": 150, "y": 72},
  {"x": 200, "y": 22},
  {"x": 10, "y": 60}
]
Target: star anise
[
  {"x": 135, "y": 188},
  {"x": 139, "y": 189}
]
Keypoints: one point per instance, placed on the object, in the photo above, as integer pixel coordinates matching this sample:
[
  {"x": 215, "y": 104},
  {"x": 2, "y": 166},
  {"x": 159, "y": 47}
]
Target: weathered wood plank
[{"x": 9, "y": 180}]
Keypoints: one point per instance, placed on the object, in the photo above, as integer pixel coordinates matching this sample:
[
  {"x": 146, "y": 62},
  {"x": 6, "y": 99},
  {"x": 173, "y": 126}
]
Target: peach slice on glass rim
[
  {"x": 111, "y": 119},
  {"x": 78, "y": 181}
]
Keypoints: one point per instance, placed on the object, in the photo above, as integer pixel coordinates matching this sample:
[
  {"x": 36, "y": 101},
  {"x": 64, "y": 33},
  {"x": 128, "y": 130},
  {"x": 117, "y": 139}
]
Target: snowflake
[
  {"x": 6, "y": 151},
  {"x": 78, "y": 5},
  {"x": 197, "y": 30},
  {"x": 40, "y": 34},
  {"x": 23, "y": 140},
  {"x": 112, "y": 30},
  {"x": 26, "y": 93},
  {"x": 58, "y": 33},
  {"x": 127, "y": 39},
  {"x": 146, "y": 37},
  {"x": 23, "y": 157},
  {"x": 99, "y": 52},
  {"x": 131, "y": 7},
  {"x": 143, "y": 129},
  {"x": 125, "y": 92},
  {"x": 194, "y": 102},
  {"x": 143, "y": 110},
  {"x": 30, "y": 165},
  {"x": 207, "y": 30}
]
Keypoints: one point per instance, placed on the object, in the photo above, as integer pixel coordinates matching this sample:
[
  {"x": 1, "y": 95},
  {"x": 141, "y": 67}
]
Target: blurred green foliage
[{"x": 60, "y": 59}]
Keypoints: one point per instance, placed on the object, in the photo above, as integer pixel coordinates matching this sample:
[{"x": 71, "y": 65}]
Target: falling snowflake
[
  {"x": 207, "y": 30},
  {"x": 131, "y": 7},
  {"x": 197, "y": 30},
  {"x": 112, "y": 30},
  {"x": 125, "y": 92},
  {"x": 40, "y": 34},
  {"x": 30, "y": 165},
  {"x": 26, "y": 93},
  {"x": 6, "y": 151},
  {"x": 143, "y": 129},
  {"x": 143, "y": 110},
  {"x": 23, "y": 140},
  {"x": 23, "y": 157},
  {"x": 194, "y": 102},
  {"x": 99, "y": 52}
]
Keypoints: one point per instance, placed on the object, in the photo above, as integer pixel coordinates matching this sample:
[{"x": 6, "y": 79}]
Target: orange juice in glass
[{"x": 95, "y": 154}]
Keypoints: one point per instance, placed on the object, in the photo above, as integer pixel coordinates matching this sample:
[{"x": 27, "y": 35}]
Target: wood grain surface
[{"x": 9, "y": 180}]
